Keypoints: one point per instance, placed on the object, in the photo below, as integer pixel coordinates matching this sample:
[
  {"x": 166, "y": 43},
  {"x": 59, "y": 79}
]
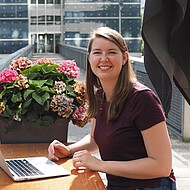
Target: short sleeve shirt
[{"x": 121, "y": 140}]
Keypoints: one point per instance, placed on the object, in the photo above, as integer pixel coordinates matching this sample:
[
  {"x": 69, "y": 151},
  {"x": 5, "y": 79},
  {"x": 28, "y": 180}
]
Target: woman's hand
[
  {"x": 57, "y": 150},
  {"x": 83, "y": 158}
]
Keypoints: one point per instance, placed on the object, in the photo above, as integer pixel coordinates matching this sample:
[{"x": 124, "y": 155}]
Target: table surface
[{"x": 78, "y": 180}]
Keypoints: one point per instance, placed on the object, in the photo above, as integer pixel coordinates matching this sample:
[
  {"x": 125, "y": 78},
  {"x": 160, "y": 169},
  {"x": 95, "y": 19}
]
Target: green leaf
[
  {"x": 32, "y": 69},
  {"x": 27, "y": 102},
  {"x": 2, "y": 94},
  {"x": 10, "y": 86},
  {"x": 40, "y": 68},
  {"x": 40, "y": 99},
  {"x": 27, "y": 93},
  {"x": 48, "y": 68},
  {"x": 45, "y": 89},
  {"x": 37, "y": 83},
  {"x": 7, "y": 112},
  {"x": 16, "y": 97},
  {"x": 50, "y": 82},
  {"x": 70, "y": 91},
  {"x": 47, "y": 106}
]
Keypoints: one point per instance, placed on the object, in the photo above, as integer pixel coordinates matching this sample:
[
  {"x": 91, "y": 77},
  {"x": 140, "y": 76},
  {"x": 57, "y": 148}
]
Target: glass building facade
[
  {"x": 46, "y": 23},
  {"x": 82, "y": 16},
  {"x": 13, "y": 25}
]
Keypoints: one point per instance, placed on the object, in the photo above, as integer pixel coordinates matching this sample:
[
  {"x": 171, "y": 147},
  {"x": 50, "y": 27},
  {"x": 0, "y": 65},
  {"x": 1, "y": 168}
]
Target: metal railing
[
  {"x": 76, "y": 53},
  {"x": 24, "y": 52}
]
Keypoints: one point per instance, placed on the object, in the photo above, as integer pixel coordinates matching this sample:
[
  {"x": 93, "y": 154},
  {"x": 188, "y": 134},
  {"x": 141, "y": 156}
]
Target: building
[
  {"x": 82, "y": 16},
  {"x": 13, "y": 25},
  {"x": 46, "y": 23}
]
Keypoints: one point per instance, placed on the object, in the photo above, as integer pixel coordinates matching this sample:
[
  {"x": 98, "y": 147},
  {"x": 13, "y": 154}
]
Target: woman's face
[{"x": 106, "y": 59}]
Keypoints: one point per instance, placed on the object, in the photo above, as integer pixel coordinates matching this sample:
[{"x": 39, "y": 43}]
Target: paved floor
[
  {"x": 54, "y": 57},
  {"x": 181, "y": 150},
  {"x": 181, "y": 162}
]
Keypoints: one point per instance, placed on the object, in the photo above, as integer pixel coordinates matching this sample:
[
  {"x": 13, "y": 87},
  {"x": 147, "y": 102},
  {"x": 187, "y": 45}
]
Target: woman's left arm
[{"x": 157, "y": 164}]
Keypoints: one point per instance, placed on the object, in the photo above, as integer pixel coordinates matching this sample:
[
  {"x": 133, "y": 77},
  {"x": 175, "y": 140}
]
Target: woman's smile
[{"x": 105, "y": 67}]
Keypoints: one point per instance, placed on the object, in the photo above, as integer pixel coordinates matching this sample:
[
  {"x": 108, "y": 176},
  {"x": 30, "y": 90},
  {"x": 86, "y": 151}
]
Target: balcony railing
[{"x": 24, "y": 52}]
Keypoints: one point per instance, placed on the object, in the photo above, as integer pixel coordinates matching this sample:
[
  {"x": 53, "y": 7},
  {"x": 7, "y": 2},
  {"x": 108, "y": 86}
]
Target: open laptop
[{"x": 21, "y": 169}]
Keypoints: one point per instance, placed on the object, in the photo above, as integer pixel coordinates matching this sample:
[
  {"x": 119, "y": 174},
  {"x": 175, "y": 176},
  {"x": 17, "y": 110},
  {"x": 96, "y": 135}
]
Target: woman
[{"x": 128, "y": 125}]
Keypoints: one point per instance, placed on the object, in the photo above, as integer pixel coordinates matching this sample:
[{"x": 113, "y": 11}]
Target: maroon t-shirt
[{"x": 121, "y": 140}]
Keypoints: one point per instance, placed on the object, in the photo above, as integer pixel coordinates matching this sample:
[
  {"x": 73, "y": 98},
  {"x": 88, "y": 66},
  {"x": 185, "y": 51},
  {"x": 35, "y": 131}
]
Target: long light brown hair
[{"x": 125, "y": 81}]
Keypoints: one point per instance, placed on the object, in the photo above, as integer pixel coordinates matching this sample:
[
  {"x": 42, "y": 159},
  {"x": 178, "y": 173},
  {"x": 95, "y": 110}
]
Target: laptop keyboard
[{"x": 23, "y": 168}]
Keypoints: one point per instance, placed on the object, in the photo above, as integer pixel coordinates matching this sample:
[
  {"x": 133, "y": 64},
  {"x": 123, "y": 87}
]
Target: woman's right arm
[{"x": 58, "y": 150}]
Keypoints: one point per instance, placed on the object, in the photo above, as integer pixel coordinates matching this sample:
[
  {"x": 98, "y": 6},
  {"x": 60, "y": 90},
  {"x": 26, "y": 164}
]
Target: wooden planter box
[{"x": 24, "y": 132}]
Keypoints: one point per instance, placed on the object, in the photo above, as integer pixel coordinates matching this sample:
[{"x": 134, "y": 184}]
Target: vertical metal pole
[
  {"x": 62, "y": 21},
  {"x": 120, "y": 9}
]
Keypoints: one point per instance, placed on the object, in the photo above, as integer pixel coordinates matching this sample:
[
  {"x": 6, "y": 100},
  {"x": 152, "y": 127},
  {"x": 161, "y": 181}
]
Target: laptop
[{"x": 21, "y": 169}]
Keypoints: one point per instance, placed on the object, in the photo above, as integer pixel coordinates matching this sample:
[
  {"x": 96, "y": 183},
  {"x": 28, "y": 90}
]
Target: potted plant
[{"x": 40, "y": 93}]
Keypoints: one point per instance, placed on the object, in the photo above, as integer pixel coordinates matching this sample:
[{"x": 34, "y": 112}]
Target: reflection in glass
[
  {"x": 83, "y": 16},
  {"x": 13, "y": 25}
]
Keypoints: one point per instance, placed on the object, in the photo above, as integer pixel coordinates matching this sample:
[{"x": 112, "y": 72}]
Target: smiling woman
[{"x": 128, "y": 123}]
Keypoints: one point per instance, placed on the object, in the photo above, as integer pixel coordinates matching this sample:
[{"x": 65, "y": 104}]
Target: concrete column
[{"x": 186, "y": 122}]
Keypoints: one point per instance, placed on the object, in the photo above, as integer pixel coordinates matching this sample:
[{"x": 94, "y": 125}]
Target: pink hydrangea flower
[
  {"x": 79, "y": 113},
  {"x": 69, "y": 67},
  {"x": 8, "y": 75}
]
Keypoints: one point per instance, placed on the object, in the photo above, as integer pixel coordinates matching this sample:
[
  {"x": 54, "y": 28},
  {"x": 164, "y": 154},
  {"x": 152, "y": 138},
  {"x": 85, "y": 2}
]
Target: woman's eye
[
  {"x": 112, "y": 52},
  {"x": 96, "y": 52}
]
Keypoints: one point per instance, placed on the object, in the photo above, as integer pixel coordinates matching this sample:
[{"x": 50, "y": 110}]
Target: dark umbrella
[{"x": 166, "y": 35}]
